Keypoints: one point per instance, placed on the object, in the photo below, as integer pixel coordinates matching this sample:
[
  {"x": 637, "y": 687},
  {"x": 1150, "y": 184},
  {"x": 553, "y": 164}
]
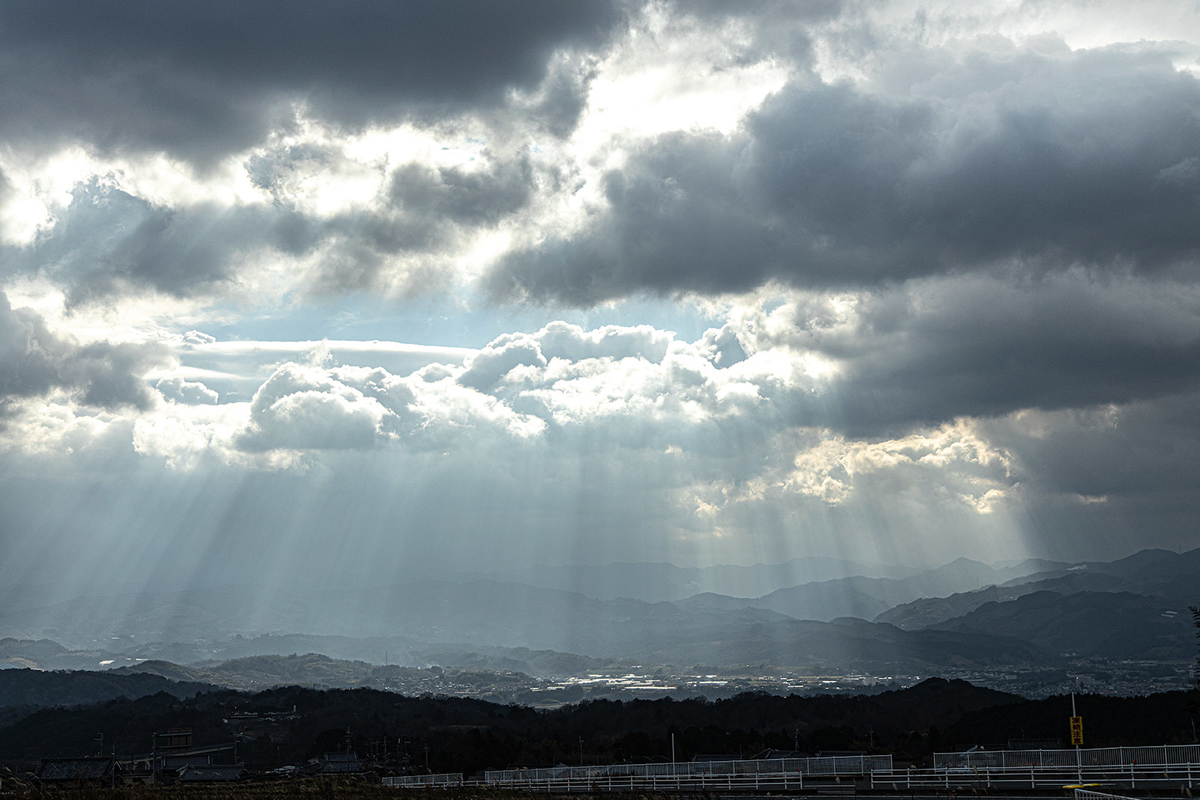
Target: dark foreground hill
[
  {"x": 466, "y": 734},
  {"x": 1164, "y": 718},
  {"x": 24, "y": 690}
]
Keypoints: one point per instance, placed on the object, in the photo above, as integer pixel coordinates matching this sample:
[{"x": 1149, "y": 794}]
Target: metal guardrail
[
  {"x": 1166, "y": 755},
  {"x": 706, "y": 770}
]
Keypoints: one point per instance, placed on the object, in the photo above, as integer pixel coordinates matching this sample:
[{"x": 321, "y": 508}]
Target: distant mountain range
[
  {"x": 965, "y": 614},
  {"x": 865, "y": 597},
  {"x": 1135, "y": 607},
  {"x": 657, "y": 582}
]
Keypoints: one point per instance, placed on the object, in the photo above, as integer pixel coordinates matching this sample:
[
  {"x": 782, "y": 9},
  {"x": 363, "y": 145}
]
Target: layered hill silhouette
[
  {"x": 1169, "y": 577},
  {"x": 961, "y": 615}
]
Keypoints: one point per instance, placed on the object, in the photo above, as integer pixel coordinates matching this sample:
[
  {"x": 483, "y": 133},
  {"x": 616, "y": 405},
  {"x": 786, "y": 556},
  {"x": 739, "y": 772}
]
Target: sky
[{"x": 340, "y": 292}]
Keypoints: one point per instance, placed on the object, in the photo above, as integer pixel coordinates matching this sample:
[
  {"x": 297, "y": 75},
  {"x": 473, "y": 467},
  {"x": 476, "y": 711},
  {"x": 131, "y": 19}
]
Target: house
[
  {"x": 176, "y": 750},
  {"x": 336, "y": 764}
]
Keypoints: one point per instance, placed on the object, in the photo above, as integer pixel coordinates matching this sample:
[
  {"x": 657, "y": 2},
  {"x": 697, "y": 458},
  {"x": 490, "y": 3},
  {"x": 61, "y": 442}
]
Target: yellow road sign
[{"x": 1076, "y": 730}]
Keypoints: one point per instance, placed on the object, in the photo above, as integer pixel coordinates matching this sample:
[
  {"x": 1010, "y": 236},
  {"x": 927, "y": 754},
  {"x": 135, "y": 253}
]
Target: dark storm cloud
[
  {"x": 34, "y": 361},
  {"x": 979, "y": 347},
  {"x": 1043, "y": 160},
  {"x": 203, "y": 79},
  {"x": 1139, "y": 451},
  {"x": 1108, "y": 479}
]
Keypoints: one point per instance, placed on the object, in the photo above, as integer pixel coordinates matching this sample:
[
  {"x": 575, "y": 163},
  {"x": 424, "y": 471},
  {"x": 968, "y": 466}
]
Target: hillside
[
  {"x": 869, "y": 597},
  {"x": 1115, "y": 625},
  {"x": 256, "y": 673},
  {"x": 289, "y": 724},
  {"x": 926, "y": 612},
  {"x": 25, "y": 690},
  {"x": 468, "y": 735},
  {"x": 491, "y": 614}
]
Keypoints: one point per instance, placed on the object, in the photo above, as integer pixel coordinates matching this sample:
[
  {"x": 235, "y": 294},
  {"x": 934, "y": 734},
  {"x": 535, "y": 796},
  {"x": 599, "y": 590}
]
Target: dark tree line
[
  {"x": 453, "y": 734},
  {"x": 1196, "y": 621}
]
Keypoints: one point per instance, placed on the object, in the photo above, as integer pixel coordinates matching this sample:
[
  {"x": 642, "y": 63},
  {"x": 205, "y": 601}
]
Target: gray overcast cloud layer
[
  {"x": 203, "y": 80},
  {"x": 1020, "y": 159},
  {"x": 948, "y": 259}
]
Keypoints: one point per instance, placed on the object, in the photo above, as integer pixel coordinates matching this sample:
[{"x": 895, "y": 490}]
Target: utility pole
[
  {"x": 1077, "y": 736},
  {"x": 581, "y": 751}
]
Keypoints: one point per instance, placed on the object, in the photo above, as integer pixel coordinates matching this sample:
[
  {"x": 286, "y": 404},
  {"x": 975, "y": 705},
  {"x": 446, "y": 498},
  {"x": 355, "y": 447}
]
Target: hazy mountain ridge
[
  {"x": 506, "y": 615},
  {"x": 503, "y": 625},
  {"x": 928, "y": 611},
  {"x": 851, "y": 643},
  {"x": 255, "y": 673},
  {"x": 662, "y": 581},
  {"x": 46, "y": 655},
  {"x": 868, "y": 598},
  {"x": 1132, "y": 608}
]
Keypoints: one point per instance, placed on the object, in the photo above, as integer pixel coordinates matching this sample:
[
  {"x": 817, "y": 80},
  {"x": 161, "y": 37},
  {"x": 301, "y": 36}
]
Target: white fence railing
[
  {"x": 1133, "y": 776},
  {"x": 1089, "y": 794},
  {"x": 441, "y": 779},
  {"x": 1166, "y": 755},
  {"x": 833, "y": 765},
  {"x": 790, "y": 774}
]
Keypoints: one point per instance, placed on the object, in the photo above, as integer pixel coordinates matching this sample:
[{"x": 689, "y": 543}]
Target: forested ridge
[{"x": 467, "y": 735}]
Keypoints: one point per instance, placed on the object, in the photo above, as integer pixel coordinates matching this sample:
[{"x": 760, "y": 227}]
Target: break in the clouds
[{"x": 476, "y": 283}]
